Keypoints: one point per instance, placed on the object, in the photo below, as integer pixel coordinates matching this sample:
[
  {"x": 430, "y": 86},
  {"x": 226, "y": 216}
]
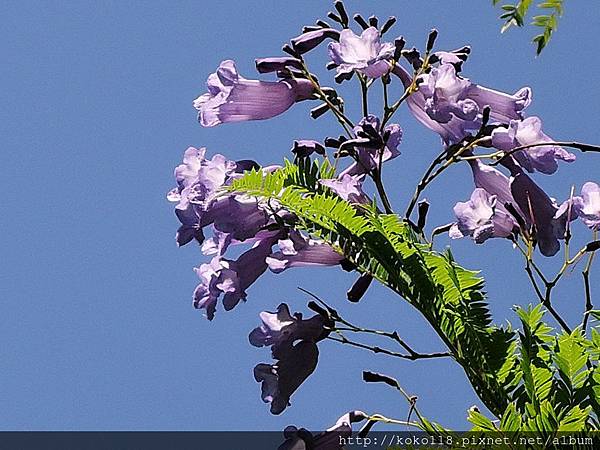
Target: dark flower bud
[
  {"x": 307, "y": 41},
  {"x": 331, "y": 65},
  {"x": 317, "y": 112},
  {"x": 399, "y": 43},
  {"x": 322, "y": 24},
  {"x": 422, "y": 217},
  {"x": 592, "y": 246},
  {"x": 361, "y": 21},
  {"x": 413, "y": 57},
  {"x": 485, "y": 116},
  {"x": 360, "y": 286},
  {"x": 433, "y": 34},
  {"x": 339, "y": 6},
  {"x": 341, "y": 77},
  {"x": 266, "y": 65},
  {"x": 373, "y": 21},
  {"x": 387, "y": 25},
  {"x": 290, "y": 51},
  {"x": 304, "y": 148},
  {"x": 319, "y": 310},
  {"x": 347, "y": 265},
  {"x": 244, "y": 165},
  {"x": 333, "y": 16},
  {"x": 308, "y": 28},
  {"x": 331, "y": 142},
  {"x": 372, "y": 377}
]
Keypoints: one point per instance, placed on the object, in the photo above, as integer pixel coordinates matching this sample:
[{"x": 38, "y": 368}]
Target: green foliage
[
  {"x": 450, "y": 297},
  {"x": 558, "y": 389},
  {"x": 515, "y": 15},
  {"x": 532, "y": 379}
]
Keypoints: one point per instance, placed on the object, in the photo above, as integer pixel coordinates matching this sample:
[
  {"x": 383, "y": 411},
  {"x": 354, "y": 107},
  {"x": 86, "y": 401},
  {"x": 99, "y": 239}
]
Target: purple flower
[
  {"x": 525, "y": 132},
  {"x": 370, "y": 154},
  {"x": 539, "y": 211},
  {"x": 493, "y": 182},
  {"x": 232, "y": 98},
  {"x": 279, "y": 330},
  {"x": 480, "y": 218},
  {"x": 281, "y": 379},
  {"x": 301, "y": 439},
  {"x": 365, "y": 53},
  {"x": 529, "y": 200},
  {"x": 307, "y": 41},
  {"x": 590, "y": 210},
  {"x": 298, "y": 251},
  {"x": 586, "y": 207},
  {"x": 452, "y": 106},
  {"x": 446, "y": 95},
  {"x": 348, "y": 187},
  {"x": 232, "y": 278},
  {"x": 198, "y": 182}
]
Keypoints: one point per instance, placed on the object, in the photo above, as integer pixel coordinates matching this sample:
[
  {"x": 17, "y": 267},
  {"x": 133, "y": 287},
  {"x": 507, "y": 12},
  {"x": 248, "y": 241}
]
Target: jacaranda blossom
[
  {"x": 232, "y": 98},
  {"x": 348, "y": 187},
  {"x": 279, "y": 330},
  {"x": 534, "y": 206},
  {"x": 452, "y": 106},
  {"x": 586, "y": 207},
  {"x": 281, "y": 379},
  {"x": 365, "y": 53},
  {"x": 528, "y": 131},
  {"x": 480, "y": 218},
  {"x": 302, "y": 439},
  {"x": 369, "y": 154},
  {"x": 200, "y": 203},
  {"x": 232, "y": 278},
  {"x": 299, "y": 251},
  {"x": 293, "y": 346}
]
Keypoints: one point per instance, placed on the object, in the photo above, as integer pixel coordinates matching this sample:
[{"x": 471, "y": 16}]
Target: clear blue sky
[{"x": 97, "y": 326}]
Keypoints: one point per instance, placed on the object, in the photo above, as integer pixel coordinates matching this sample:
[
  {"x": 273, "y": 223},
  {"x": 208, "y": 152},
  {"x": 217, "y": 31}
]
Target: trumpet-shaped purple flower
[
  {"x": 279, "y": 330},
  {"x": 280, "y": 380},
  {"x": 494, "y": 183},
  {"x": 232, "y": 278},
  {"x": 452, "y": 106},
  {"x": 369, "y": 155},
  {"x": 302, "y": 439},
  {"x": 365, "y": 53},
  {"x": 198, "y": 180},
  {"x": 232, "y": 98},
  {"x": 446, "y": 95},
  {"x": 526, "y": 132},
  {"x": 293, "y": 345},
  {"x": 298, "y": 251},
  {"x": 539, "y": 210},
  {"x": 590, "y": 208},
  {"x": 586, "y": 207},
  {"x": 348, "y": 187},
  {"x": 528, "y": 199},
  {"x": 481, "y": 219}
]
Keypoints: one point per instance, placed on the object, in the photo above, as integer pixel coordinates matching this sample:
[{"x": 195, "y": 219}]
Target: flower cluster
[
  {"x": 293, "y": 343},
  {"x": 235, "y": 219},
  {"x": 506, "y": 201}
]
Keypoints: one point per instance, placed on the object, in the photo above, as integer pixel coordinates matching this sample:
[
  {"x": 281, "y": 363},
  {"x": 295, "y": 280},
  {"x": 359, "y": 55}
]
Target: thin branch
[
  {"x": 375, "y": 349},
  {"x": 589, "y": 306}
]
